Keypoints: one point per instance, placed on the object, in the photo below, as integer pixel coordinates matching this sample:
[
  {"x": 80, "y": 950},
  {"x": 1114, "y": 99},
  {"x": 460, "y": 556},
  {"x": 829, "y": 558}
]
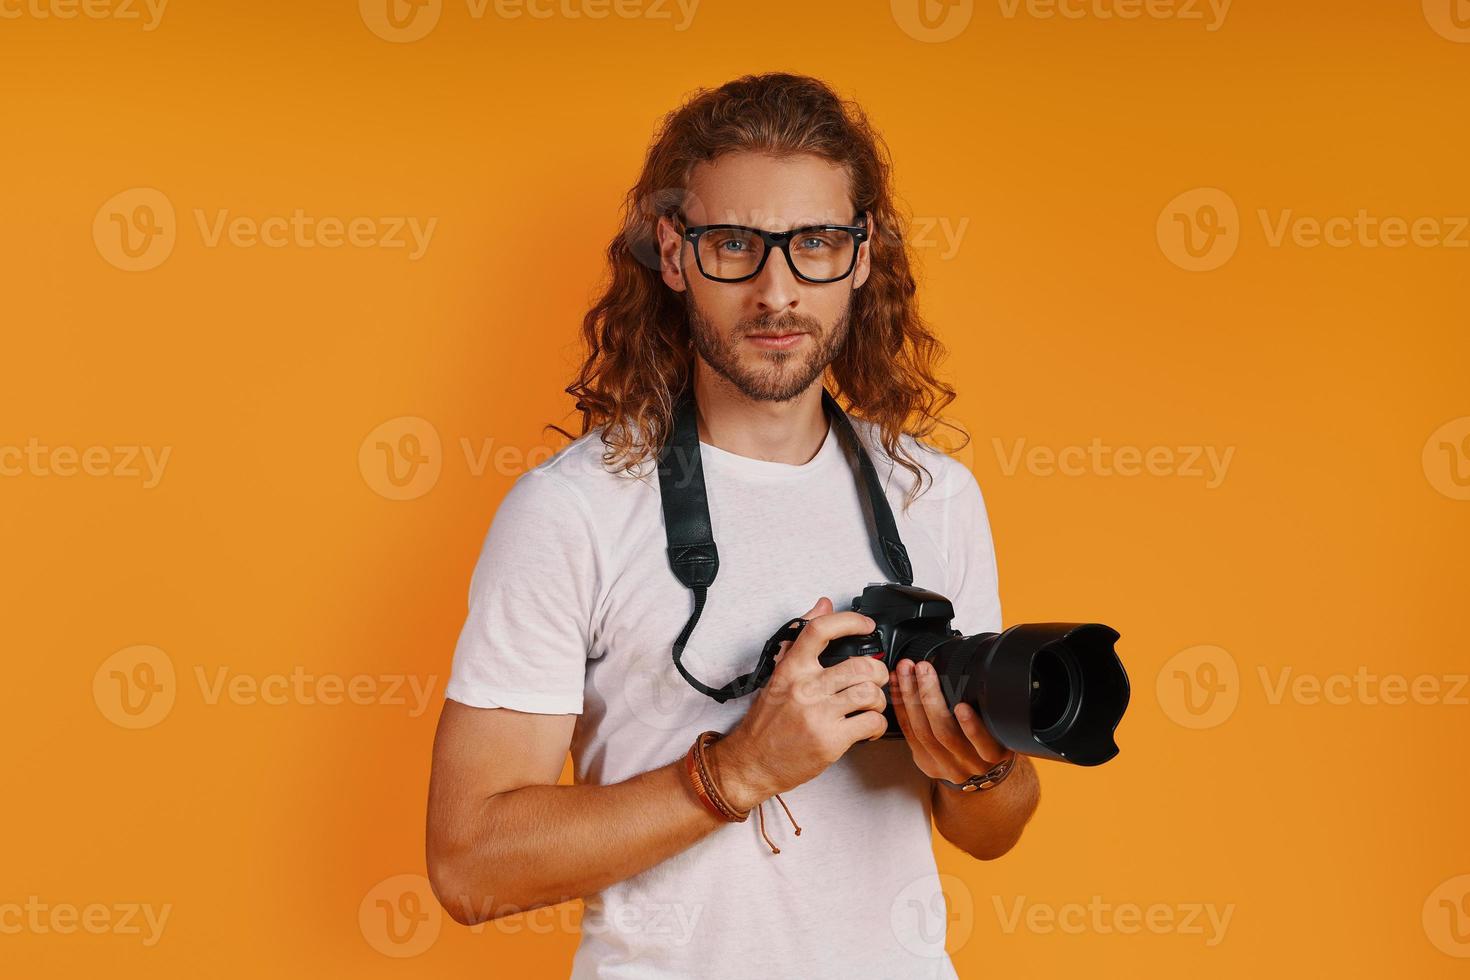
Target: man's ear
[
  {"x": 865, "y": 255},
  {"x": 670, "y": 252}
]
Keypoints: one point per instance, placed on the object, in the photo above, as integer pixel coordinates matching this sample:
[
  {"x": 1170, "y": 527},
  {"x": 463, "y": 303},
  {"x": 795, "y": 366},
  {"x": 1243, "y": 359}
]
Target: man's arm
[
  {"x": 986, "y": 824},
  {"x": 504, "y": 838}
]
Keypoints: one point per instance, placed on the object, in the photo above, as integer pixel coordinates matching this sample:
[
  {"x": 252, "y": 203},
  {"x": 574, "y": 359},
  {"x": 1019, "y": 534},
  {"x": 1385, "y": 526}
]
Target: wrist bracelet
[
  {"x": 697, "y": 766},
  {"x": 989, "y": 779}
]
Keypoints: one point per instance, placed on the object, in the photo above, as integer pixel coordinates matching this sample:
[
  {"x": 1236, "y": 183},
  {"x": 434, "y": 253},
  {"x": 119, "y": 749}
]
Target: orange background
[{"x": 1334, "y": 542}]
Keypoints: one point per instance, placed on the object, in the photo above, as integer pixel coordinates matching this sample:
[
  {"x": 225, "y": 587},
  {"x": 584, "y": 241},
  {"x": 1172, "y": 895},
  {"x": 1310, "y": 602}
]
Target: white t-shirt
[{"x": 573, "y": 608}]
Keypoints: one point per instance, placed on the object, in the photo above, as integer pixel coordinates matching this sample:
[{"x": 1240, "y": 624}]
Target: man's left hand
[{"x": 945, "y": 745}]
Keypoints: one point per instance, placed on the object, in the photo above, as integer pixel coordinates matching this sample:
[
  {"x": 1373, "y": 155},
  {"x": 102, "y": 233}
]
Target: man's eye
[
  {"x": 813, "y": 244},
  {"x": 739, "y": 245}
]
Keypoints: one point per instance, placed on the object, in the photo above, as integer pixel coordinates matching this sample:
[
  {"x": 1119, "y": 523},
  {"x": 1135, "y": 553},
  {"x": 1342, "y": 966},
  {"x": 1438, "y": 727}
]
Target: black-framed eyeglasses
[{"x": 815, "y": 253}]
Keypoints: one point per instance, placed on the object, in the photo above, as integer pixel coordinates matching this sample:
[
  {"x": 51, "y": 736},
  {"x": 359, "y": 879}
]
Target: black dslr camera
[{"x": 1056, "y": 690}]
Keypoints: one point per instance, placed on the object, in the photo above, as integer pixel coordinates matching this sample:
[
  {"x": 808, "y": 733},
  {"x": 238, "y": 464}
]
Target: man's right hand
[{"x": 798, "y": 724}]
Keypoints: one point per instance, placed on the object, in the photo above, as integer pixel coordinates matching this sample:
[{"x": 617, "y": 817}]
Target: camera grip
[{"x": 846, "y": 647}]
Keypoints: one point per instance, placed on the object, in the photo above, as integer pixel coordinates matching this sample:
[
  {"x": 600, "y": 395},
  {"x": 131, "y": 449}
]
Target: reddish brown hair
[{"x": 638, "y": 353}]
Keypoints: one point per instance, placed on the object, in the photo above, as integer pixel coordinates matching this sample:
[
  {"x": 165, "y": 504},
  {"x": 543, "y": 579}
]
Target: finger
[
  {"x": 942, "y": 725},
  {"x": 853, "y": 670},
  {"x": 921, "y": 755},
  {"x": 918, "y": 718},
  {"x": 866, "y": 695},
  {"x": 815, "y": 636},
  {"x": 989, "y": 749},
  {"x": 866, "y": 727}
]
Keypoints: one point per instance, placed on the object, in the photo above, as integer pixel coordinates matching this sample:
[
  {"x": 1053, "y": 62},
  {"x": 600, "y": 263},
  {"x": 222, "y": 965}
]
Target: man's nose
[{"x": 776, "y": 286}]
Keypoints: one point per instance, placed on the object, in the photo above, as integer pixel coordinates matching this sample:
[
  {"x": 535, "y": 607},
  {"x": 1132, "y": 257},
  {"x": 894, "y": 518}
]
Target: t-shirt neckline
[{"x": 765, "y": 469}]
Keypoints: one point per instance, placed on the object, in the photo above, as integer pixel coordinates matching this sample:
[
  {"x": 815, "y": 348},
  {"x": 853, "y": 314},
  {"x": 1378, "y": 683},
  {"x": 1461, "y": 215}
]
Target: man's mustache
[{"x": 792, "y": 325}]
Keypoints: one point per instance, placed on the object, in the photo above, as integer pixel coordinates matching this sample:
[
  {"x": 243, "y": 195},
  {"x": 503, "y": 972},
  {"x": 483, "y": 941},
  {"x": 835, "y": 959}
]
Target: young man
[{"x": 574, "y": 607}]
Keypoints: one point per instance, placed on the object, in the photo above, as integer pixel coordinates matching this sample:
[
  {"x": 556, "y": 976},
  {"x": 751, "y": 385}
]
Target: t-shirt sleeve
[
  {"x": 974, "y": 585},
  {"x": 526, "y": 639}
]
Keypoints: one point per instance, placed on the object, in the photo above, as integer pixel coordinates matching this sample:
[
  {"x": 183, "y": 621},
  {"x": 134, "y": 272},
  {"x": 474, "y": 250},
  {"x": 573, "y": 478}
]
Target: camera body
[
  {"x": 1026, "y": 682},
  {"x": 907, "y": 621}
]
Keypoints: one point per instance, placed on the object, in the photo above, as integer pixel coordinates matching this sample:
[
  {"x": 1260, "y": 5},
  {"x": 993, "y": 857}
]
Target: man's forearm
[
  {"x": 541, "y": 845},
  {"x": 987, "y": 824}
]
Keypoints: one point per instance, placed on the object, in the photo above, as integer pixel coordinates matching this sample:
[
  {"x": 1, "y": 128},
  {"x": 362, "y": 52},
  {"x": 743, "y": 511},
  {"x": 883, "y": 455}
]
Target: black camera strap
[{"x": 691, "y": 542}]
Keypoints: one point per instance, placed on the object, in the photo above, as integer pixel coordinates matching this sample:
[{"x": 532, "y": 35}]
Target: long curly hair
[{"x": 639, "y": 358}]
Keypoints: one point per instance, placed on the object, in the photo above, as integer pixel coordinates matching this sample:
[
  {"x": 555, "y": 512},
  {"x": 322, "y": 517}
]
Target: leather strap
[
  {"x": 690, "y": 534},
  {"x": 891, "y": 553},
  {"x": 989, "y": 779}
]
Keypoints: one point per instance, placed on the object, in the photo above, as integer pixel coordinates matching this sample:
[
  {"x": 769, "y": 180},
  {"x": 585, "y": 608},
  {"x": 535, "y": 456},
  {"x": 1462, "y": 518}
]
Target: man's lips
[{"x": 776, "y": 340}]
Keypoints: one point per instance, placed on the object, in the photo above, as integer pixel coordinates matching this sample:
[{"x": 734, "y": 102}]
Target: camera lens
[{"x": 1051, "y": 688}]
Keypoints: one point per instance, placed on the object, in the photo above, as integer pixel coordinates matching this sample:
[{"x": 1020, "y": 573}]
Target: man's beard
[{"x": 774, "y": 375}]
